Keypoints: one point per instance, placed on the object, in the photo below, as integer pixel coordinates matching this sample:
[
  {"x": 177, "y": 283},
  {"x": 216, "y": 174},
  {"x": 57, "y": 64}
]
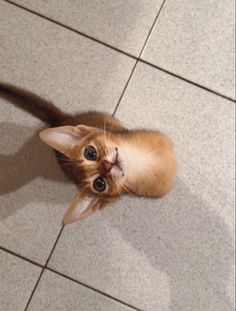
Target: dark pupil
[
  {"x": 90, "y": 153},
  {"x": 99, "y": 184}
]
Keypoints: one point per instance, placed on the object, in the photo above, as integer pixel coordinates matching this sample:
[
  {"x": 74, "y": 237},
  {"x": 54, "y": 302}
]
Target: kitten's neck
[
  {"x": 149, "y": 162},
  {"x": 139, "y": 158}
]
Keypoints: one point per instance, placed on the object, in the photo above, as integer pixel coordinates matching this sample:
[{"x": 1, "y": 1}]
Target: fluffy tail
[{"x": 32, "y": 103}]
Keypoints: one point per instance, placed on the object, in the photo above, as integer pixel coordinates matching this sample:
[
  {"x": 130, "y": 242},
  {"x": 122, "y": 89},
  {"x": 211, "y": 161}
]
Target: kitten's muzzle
[{"x": 108, "y": 165}]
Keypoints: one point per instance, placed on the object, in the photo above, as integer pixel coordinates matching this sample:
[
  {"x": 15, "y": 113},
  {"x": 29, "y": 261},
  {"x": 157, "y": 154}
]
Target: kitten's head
[{"x": 98, "y": 162}]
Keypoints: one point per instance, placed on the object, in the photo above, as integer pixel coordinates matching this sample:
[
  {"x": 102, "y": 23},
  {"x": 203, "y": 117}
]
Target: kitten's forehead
[{"x": 105, "y": 140}]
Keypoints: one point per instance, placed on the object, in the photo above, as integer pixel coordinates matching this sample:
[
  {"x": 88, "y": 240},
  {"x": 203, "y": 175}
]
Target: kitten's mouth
[{"x": 118, "y": 162}]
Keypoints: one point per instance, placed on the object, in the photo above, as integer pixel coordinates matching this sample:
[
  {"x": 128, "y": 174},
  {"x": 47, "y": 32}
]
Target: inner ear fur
[
  {"x": 82, "y": 206},
  {"x": 65, "y": 138}
]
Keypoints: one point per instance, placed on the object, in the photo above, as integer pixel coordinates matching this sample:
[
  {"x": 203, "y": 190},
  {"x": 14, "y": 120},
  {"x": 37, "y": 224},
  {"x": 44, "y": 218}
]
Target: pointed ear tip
[
  {"x": 42, "y": 134},
  {"x": 67, "y": 220},
  {"x": 64, "y": 221}
]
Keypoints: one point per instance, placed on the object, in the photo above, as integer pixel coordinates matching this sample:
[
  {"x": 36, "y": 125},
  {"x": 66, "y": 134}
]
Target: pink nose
[{"x": 108, "y": 165}]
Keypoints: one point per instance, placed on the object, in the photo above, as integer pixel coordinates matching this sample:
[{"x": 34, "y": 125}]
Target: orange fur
[
  {"x": 137, "y": 162},
  {"x": 146, "y": 158}
]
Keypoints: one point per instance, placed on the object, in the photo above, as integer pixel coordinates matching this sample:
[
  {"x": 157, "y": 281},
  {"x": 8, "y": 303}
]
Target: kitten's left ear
[
  {"x": 81, "y": 207},
  {"x": 65, "y": 138}
]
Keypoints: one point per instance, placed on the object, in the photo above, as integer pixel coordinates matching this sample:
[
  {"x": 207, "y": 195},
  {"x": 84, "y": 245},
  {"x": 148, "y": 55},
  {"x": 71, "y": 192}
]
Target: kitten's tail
[{"x": 32, "y": 103}]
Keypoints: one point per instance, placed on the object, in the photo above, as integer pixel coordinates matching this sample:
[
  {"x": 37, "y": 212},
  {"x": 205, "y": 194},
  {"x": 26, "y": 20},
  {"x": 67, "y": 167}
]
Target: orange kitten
[{"x": 106, "y": 160}]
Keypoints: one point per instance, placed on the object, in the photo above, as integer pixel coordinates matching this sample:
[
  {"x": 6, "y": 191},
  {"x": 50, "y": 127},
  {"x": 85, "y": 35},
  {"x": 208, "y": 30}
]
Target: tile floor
[{"x": 166, "y": 65}]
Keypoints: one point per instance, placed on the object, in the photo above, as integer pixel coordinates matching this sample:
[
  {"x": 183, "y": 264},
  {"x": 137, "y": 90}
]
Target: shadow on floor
[
  {"x": 195, "y": 232},
  {"x": 183, "y": 220},
  {"x": 32, "y": 160}
]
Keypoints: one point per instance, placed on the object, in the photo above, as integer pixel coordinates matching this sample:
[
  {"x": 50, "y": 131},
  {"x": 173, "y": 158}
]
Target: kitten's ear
[
  {"x": 65, "y": 138},
  {"x": 81, "y": 207}
]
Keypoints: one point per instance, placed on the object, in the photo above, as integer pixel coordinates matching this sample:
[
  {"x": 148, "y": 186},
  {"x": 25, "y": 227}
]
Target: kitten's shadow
[
  {"x": 32, "y": 160},
  {"x": 187, "y": 225}
]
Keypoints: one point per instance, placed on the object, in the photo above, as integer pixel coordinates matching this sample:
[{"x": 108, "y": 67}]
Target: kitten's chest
[
  {"x": 139, "y": 162},
  {"x": 150, "y": 164}
]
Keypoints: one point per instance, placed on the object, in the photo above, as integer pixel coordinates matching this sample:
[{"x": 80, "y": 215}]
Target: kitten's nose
[{"x": 108, "y": 165}]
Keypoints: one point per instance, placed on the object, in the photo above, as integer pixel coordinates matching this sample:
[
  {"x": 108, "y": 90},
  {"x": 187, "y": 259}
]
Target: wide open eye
[
  {"x": 99, "y": 184},
  {"x": 90, "y": 153}
]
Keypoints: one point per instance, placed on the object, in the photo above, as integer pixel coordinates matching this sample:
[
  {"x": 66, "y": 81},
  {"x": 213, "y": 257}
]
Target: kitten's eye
[
  {"x": 90, "y": 153},
  {"x": 99, "y": 184}
]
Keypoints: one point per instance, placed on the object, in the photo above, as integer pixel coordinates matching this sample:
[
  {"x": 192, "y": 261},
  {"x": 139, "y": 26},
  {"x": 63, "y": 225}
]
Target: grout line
[
  {"x": 187, "y": 80},
  {"x": 153, "y": 24},
  {"x": 21, "y": 257},
  {"x": 122, "y": 52},
  {"x": 126, "y": 85},
  {"x": 43, "y": 268},
  {"x": 93, "y": 289},
  {"x": 34, "y": 289},
  {"x": 54, "y": 246},
  {"x": 137, "y": 59},
  {"x": 70, "y": 28},
  {"x": 61, "y": 274}
]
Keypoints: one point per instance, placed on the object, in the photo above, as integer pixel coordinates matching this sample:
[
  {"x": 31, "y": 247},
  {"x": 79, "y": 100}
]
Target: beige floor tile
[
  {"x": 73, "y": 72},
  {"x": 76, "y": 73},
  {"x": 121, "y": 254},
  {"x": 17, "y": 278},
  {"x": 58, "y": 293},
  {"x": 196, "y": 40},
  {"x": 200, "y": 124},
  {"x": 176, "y": 253},
  {"x": 196, "y": 219},
  {"x": 122, "y": 24}
]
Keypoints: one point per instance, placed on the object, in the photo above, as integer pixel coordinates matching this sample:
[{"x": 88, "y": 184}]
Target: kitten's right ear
[
  {"x": 81, "y": 207},
  {"x": 63, "y": 138}
]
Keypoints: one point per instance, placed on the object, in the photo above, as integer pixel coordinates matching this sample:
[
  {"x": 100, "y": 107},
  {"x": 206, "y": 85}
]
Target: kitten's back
[
  {"x": 46, "y": 111},
  {"x": 95, "y": 119}
]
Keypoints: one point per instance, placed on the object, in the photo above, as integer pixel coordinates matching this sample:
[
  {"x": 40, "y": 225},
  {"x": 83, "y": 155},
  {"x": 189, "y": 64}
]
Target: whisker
[
  {"x": 119, "y": 191},
  {"x": 128, "y": 191},
  {"x": 129, "y": 186},
  {"x": 110, "y": 132},
  {"x": 106, "y": 153},
  {"x": 104, "y": 131}
]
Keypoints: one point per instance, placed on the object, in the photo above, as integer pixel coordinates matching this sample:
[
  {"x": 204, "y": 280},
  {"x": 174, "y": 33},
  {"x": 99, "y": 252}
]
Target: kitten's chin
[
  {"x": 120, "y": 163},
  {"x": 118, "y": 169},
  {"x": 117, "y": 173}
]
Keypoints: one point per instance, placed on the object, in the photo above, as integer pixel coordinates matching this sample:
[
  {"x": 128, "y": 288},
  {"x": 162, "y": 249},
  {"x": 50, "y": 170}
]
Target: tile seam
[
  {"x": 43, "y": 268},
  {"x": 21, "y": 257},
  {"x": 92, "y": 288},
  {"x": 137, "y": 58}
]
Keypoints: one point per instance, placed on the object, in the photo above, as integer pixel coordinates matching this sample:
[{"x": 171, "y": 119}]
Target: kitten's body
[{"x": 140, "y": 162}]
